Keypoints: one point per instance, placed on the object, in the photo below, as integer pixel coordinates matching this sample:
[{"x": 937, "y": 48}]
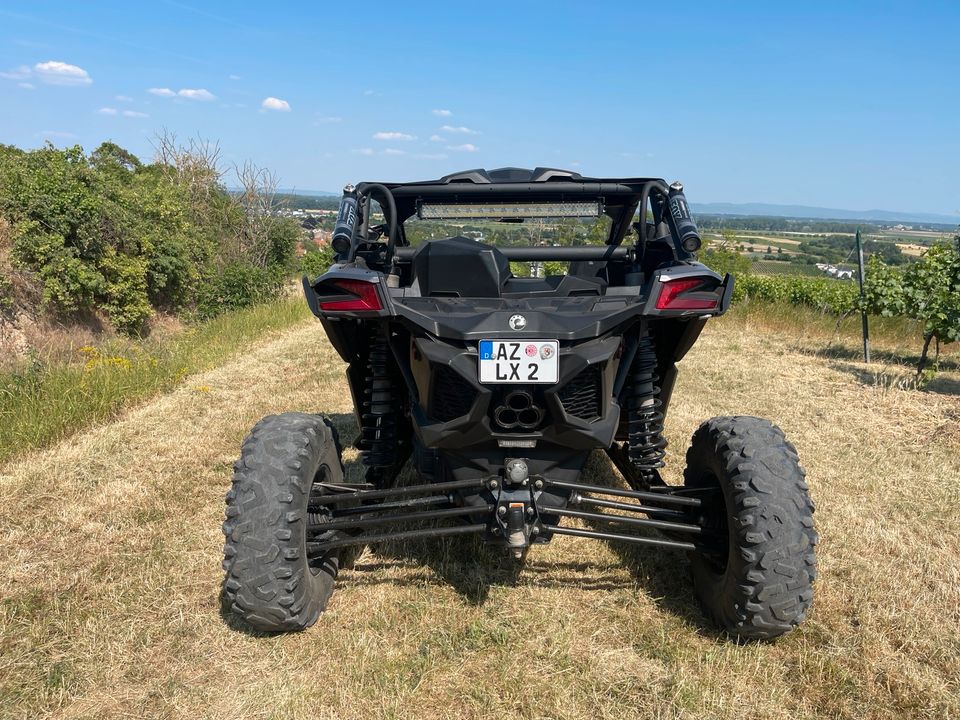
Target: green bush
[
  {"x": 316, "y": 261},
  {"x": 928, "y": 290},
  {"x": 6, "y": 295},
  {"x": 724, "y": 260},
  {"x": 238, "y": 285},
  {"x": 108, "y": 233},
  {"x": 826, "y": 294}
]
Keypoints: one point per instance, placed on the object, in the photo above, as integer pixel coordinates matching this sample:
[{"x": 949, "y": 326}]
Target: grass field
[
  {"x": 110, "y": 567},
  {"x": 51, "y": 398}
]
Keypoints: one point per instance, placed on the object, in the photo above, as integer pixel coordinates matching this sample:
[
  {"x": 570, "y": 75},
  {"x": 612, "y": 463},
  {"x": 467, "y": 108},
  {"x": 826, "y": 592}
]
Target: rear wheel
[
  {"x": 757, "y": 584},
  {"x": 271, "y": 581}
]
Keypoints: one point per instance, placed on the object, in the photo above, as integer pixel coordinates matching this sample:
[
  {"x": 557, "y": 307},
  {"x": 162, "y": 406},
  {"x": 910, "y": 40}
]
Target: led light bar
[
  {"x": 516, "y": 443},
  {"x": 496, "y": 211}
]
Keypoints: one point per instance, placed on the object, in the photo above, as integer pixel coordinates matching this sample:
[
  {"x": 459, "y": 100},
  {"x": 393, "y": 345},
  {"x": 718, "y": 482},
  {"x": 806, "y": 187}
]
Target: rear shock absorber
[
  {"x": 382, "y": 448},
  {"x": 645, "y": 442}
]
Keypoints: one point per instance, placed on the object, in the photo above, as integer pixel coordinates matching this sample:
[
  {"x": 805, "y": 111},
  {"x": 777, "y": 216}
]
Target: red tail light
[
  {"x": 673, "y": 296},
  {"x": 363, "y": 297}
]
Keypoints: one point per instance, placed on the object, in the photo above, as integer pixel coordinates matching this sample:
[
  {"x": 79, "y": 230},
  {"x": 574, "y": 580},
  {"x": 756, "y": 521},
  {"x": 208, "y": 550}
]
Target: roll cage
[{"x": 619, "y": 198}]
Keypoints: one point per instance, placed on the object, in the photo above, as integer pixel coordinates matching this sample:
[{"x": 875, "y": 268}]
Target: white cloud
[
  {"x": 107, "y": 111},
  {"x": 324, "y": 119},
  {"x": 196, "y": 94},
  {"x": 272, "y": 103},
  {"x": 466, "y": 147},
  {"x": 364, "y": 151},
  {"x": 442, "y": 113},
  {"x": 134, "y": 114},
  {"x": 26, "y": 86},
  {"x": 21, "y": 73},
  {"x": 368, "y": 92},
  {"x": 123, "y": 98},
  {"x": 233, "y": 77},
  {"x": 394, "y": 151},
  {"x": 54, "y": 72},
  {"x": 460, "y": 129},
  {"x": 393, "y": 136},
  {"x": 187, "y": 93},
  {"x": 436, "y": 138}
]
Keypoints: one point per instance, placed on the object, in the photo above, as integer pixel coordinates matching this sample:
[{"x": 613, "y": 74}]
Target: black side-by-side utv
[{"x": 497, "y": 388}]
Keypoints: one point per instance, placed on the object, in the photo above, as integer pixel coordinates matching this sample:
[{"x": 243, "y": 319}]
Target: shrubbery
[
  {"x": 238, "y": 285},
  {"x": 316, "y": 261},
  {"x": 927, "y": 290},
  {"x": 836, "y": 296},
  {"x": 106, "y": 233}
]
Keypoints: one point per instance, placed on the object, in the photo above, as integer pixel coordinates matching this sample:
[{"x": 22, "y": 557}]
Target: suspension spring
[
  {"x": 380, "y": 405},
  {"x": 645, "y": 442}
]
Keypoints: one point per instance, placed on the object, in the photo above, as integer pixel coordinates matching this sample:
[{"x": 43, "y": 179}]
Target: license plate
[{"x": 519, "y": 361}]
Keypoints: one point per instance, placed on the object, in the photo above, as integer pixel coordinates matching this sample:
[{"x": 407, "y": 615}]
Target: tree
[
  {"x": 721, "y": 255},
  {"x": 931, "y": 289},
  {"x": 927, "y": 290},
  {"x": 728, "y": 239}
]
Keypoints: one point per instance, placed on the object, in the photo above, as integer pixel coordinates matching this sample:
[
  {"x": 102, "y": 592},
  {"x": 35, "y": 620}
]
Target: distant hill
[
  {"x": 819, "y": 213},
  {"x": 307, "y": 193}
]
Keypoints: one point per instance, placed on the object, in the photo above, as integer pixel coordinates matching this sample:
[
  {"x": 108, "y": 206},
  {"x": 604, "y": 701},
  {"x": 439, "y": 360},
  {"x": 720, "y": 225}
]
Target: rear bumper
[{"x": 571, "y": 422}]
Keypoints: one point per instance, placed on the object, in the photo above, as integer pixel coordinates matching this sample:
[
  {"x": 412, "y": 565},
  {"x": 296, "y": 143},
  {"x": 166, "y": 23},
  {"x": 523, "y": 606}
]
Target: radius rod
[
  {"x": 660, "y": 513},
  {"x": 638, "y": 539},
  {"x": 662, "y": 498},
  {"x": 396, "y": 492},
  {"x": 635, "y": 522},
  {"x": 362, "y": 522},
  {"x": 319, "y": 547}
]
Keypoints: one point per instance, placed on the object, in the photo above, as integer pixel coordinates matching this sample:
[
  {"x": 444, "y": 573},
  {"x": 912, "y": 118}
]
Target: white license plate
[{"x": 519, "y": 361}]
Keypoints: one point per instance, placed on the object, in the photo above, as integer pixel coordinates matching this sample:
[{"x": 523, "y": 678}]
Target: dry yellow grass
[
  {"x": 110, "y": 570},
  {"x": 915, "y": 250}
]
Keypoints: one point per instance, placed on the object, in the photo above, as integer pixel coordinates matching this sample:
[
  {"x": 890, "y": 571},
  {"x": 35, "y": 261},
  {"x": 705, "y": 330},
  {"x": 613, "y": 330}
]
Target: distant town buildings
[{"x": 834, "y": 271}]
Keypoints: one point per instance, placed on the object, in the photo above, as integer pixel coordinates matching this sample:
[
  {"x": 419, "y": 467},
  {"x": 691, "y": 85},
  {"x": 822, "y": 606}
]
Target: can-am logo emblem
[{"x": 517, "y": 322}]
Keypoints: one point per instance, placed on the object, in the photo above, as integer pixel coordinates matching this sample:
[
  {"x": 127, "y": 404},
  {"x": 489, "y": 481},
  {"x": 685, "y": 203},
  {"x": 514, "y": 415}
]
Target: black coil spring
[
  {"x": 645, "y": 442},
  {"x": 380, "y": 405}
]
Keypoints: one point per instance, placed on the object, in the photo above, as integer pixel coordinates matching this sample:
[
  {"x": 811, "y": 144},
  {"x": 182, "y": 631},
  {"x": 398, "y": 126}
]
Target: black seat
[{"x": 461, "y": 267}]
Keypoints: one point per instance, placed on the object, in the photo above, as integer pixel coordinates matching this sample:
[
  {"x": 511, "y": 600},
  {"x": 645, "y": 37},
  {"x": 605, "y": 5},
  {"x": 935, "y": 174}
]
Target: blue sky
[{"x": 851, "y": 105}]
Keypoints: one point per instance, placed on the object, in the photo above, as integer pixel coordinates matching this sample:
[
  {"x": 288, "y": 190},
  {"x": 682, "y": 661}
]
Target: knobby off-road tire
[
  {"x": 760, "y": 585},
  {"x": 270, "y": 583}
]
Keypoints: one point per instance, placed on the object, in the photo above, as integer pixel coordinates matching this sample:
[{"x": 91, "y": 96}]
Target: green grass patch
[
  {"x": 40, "y": 404},
  {"x": 893, "y": 339}
]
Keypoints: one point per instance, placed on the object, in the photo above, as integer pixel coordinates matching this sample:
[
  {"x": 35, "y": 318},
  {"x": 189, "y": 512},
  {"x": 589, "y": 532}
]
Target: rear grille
[
  {"x": 582, "y": 397},
  {"x": 452, "y": 396}
]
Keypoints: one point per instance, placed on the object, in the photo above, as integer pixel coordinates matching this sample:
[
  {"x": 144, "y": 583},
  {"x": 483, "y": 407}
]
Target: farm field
[{"x": 110, "y": 551}]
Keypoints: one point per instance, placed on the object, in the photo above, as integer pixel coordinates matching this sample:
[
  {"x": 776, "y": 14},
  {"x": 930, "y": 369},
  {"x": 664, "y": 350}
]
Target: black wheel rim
[
  {"x": 317, "y": 515},
  {"x": 713, "y": 517}
]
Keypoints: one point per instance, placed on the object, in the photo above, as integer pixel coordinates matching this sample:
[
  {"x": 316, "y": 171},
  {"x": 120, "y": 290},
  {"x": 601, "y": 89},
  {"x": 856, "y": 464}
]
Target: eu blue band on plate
[{"x": 486, "y": 350}]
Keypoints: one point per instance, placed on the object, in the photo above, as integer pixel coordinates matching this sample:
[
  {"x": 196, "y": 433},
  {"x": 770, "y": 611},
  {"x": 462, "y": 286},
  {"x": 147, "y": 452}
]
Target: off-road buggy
[{"x": 498, "y": 387}]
